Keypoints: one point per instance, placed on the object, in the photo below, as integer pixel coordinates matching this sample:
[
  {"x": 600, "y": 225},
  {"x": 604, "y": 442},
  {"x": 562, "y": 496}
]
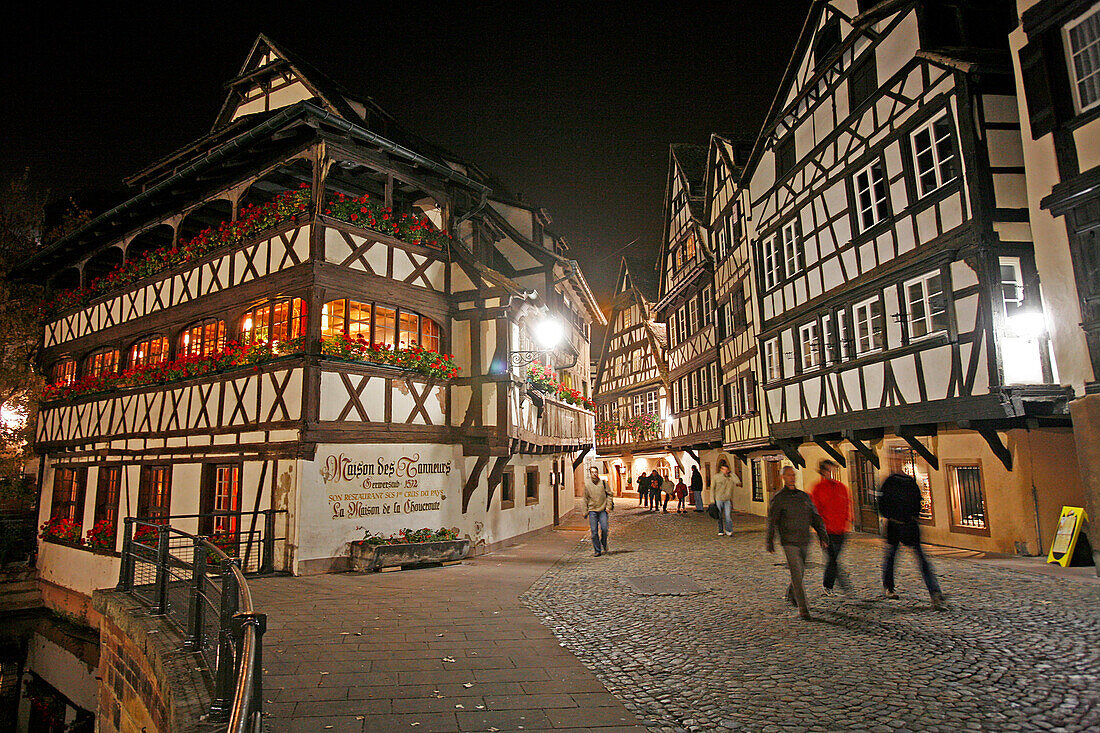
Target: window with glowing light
[
  {"x": 149, "y": 351},
  {"x": 104, "y": 361},
  {"x": 378, "y": 324},
  {"x": 63, "y": 372},
  {"x": 68, "y": 494},
  {"x": 203, "y": 338},
  {"x": 277, "y": 320}
]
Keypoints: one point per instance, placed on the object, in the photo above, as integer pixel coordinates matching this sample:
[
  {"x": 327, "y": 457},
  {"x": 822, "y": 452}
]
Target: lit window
[
  {"x": 429, "y": 334},
  {"x": 203, "y": 339},
  {"x": 927, "y": 307},
  {"x": 870, "y": 324},
  {"x": 1082, "y": 37},
  {"x": 1012, "y": 284},
  {"x": 967, "y": 497},
  {"x": 870, "y": 187},
  {"x": 149, "y": 351},
  {"x": 63, "y": 372},
  {"x": 409, "y": 333},
  {"x": 155, "y": 492},
  {"x": 934, "y": 154},
  {"x": 280, "y": 320},
  {"x": 68, "y": 494},
  {"x": 914, "y": 465},
  {"x": 102, "y": 362}
]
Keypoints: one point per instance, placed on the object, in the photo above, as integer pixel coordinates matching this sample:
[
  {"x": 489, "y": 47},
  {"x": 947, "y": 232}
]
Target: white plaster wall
[{"x": 78, "y": 570}]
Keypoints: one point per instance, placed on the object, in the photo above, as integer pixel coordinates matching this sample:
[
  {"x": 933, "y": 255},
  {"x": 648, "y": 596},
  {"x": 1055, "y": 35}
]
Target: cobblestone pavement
[{"x": 1014, "y": 651}]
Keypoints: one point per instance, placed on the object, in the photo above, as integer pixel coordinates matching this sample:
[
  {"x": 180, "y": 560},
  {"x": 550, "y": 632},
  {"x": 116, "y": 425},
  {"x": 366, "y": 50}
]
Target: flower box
[{"x": 372, "y": 558}]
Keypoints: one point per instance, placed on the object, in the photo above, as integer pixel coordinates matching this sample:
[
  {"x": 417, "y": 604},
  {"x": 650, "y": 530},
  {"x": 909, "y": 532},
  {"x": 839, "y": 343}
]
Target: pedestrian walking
[
  {"x": 834, "y": 504},
  {"x": 598, "y": 501},
  {"x": 681, "y": 495},
  {"x": 667, "y": 489},
  {"x": 791, "y": 515},
  {"x": 723, "y": 486},
  {"x": 899, "y": 503},
  {"x": 643, "y": 489},
  {"x": 697, "y": 488}
]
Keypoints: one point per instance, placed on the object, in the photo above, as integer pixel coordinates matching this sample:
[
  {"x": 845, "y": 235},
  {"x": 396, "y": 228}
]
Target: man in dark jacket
[
  {"x": 697, "y": 488},
  {"x": 791, "y": 515},
  {"x": 643, "y": 489},
  {"x": 899, "y": 503}
]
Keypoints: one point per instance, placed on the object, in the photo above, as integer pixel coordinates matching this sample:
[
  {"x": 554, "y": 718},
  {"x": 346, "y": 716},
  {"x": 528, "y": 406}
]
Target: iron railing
[{"x": 196, "y": 586}]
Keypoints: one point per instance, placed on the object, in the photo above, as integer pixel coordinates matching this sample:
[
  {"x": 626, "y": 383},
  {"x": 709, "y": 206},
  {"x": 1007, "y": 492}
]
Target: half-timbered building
[
  {"x": 900, "y": 306},
  {"x": 310, "y": 311},
  {"x": 745, "y": 439},
  {"x": 685, "y": 305},
  {"x": 1056, "y": 53},
  {"x": 631, "y": 382}
]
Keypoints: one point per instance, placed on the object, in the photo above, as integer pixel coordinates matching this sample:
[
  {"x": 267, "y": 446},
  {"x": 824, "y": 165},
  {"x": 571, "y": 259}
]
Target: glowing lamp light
[
  {"x": 248, "y": 324},
  {"x": 1026, "y": 324},
  {"x": 548, "y": 333}
]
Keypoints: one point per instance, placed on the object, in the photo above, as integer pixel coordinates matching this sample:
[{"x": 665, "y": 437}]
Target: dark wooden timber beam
[
  {"x": 580, "y": 456},
  {"x": 691, "y": 453},
  {"x": 999, "y": 448},
  {"x": 833, "y": 452},
  {"x": 918, "y": 447},
  {"x": 494, "y": 478},
  {"x": 471, "y": 482},
  {"x": 790, "y": 449},
  {"x": 864, "y": 449}
]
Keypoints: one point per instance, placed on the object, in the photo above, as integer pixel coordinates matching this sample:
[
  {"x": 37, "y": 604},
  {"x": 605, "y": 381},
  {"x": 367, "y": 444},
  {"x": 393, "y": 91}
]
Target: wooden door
[{"x": 865, "y": 506}]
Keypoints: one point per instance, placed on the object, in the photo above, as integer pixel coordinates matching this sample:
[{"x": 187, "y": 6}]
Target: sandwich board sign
[{"x": 1067, "y": 537}]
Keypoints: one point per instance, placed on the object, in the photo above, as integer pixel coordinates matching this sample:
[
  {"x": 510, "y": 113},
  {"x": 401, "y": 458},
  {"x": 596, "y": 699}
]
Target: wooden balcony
[{"x": 544, "y": 424}]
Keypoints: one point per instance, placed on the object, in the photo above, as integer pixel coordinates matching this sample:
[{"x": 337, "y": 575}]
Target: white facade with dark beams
[
  {"x": 1056, "y": 54},
  {"x": 631, "y": 382},
  {"x": 744, "y": 425},
  {"x": 685, "y": 303},
  {"x": 337, "y": 444},
  {"x": 900, "y": 303}
]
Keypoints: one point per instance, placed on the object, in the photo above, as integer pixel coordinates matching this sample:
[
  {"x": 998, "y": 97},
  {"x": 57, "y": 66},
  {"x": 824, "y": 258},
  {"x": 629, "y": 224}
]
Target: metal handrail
[{"x": 241, "y": 628}]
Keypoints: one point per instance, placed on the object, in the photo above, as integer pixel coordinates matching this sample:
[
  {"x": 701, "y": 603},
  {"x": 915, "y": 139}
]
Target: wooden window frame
[
  {"x": 510, "y": 473},
  {"x": 186, "y": 345},
  {"x": 295, "y": 320},
  {"x": 926, "y": 301},
  {"x": 527, "y": 485},
  {"x": 148, "y": 341},
  {"x": 794, "y": 249},
  {"x": 938, "y": 162},
  {"x": 773, "y": 360},
  {"x": 76, "y": 489},
  {"x": 954, "y": 498},
  {"x": 814, "y": 351},
  {"x": 1071, "y": 68},
  {"x": 63, "y": 371},
  {"x": 876, "y": 344},
  {"x": 94, "y": 366},
  {"x": 106, "y": 505},
  {"x": 873, "y": 185},
  {"x": 773, "y": 262},
  {"x": 862, "y": 81},
  {"x": 145, "y": 489}
]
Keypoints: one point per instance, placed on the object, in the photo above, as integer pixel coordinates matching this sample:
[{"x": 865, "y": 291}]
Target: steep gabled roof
[
  {"x": 691, "y": 159},
  {"x": 643, "y": 276}
]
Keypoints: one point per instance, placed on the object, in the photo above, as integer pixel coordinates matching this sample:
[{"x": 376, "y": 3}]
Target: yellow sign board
[{"x": 1065, "y": 539}]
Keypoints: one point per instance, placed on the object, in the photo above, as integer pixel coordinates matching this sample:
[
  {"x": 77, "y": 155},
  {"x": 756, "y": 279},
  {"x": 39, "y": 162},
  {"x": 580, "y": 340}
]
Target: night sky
[{"x": 574, "y": 110}]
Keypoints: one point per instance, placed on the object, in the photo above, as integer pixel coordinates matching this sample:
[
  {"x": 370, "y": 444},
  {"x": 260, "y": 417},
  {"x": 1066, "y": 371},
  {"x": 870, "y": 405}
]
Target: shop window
[
  {"x": 149, "y": 351},
  {"x": 274, "y": 321},
  {"x": 914, "y": 465},
  {"x": 203, "y": 338},
  {"x": 107, "y": 489},
  {"x": 63, "y": 372},
  {"x": 155, "y": 493},
  {"x": 967, "y": 497},
  {"x": 104, "y": 361},
  {"x": 68, "y": 494},
  {"x": 531, "y": 485}
]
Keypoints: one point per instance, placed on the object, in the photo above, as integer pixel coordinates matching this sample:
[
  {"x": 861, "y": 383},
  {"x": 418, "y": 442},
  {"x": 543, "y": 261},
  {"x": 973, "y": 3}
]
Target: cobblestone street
[{"x": 1014, "y": 650}]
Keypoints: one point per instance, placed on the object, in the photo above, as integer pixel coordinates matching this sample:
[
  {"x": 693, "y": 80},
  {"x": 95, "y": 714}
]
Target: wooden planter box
[{"x": 366, "y": 558}]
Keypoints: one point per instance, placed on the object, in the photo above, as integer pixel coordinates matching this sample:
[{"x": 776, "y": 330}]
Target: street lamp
[{"x": 549, "y": 333}]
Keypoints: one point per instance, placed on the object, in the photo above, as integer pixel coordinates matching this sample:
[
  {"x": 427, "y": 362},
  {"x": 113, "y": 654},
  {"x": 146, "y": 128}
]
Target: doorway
[{"x": 866, "y": 495}]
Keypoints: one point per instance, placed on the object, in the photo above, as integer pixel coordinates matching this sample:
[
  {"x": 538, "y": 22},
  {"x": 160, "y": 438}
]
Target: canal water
[{"x": 48, "y": 670}]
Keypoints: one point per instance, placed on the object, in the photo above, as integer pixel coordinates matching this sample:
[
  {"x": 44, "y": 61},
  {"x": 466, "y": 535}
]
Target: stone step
[{"x": 21, "y": 601}]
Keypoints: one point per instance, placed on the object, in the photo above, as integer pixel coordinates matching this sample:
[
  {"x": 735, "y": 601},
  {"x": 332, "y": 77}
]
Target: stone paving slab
[
  {"x": 439, "y": 649},
  {"x": 1014, "y": 651}
]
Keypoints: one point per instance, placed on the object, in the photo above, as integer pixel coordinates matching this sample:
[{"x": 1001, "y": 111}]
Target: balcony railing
[{"x": 543, "y": 419}]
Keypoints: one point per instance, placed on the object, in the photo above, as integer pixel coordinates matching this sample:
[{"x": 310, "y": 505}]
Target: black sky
[{"x": 572, "y": 107}]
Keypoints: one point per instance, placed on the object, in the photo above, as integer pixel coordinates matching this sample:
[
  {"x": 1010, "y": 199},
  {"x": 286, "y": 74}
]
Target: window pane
[
  {"x": 410, "y": 328},
  {"x": 333, "y": 317},
  {"x": 429, "y": 334},
  {"x": 358, "y": 320},
  {"x": 384, "y": 324}
]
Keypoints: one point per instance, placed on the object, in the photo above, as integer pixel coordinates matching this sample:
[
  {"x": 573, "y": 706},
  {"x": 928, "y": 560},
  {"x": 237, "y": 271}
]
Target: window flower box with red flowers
[
  {"x": 408, "y": 548},
  {"x": 427, "y": 362},
  {"x": 61, "y": 530},
  {"x": 643, "y": 427},
  {"x": 233, "y": 356},
  {"x": 606, "y": 430},
  {"x": 251, "y": 220},
  {"x": 540, "y": 378},
  {"x": 367, "y": 213},
  {"x": 101, "y": 537}
]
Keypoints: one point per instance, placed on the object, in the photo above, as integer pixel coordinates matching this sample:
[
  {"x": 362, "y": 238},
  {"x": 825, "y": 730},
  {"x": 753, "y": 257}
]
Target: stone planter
[{"x": 366, "y": 558}]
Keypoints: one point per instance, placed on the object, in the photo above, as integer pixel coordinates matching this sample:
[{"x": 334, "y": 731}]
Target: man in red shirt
[{"x": 834, "y": 504}]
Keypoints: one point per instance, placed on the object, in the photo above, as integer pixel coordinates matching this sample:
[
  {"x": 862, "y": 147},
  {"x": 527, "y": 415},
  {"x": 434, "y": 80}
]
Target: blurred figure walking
[
  {"x": 834, "y": 504},
  {"x": 899, "y": 503},
  {"x": 791, "y": 515}
]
